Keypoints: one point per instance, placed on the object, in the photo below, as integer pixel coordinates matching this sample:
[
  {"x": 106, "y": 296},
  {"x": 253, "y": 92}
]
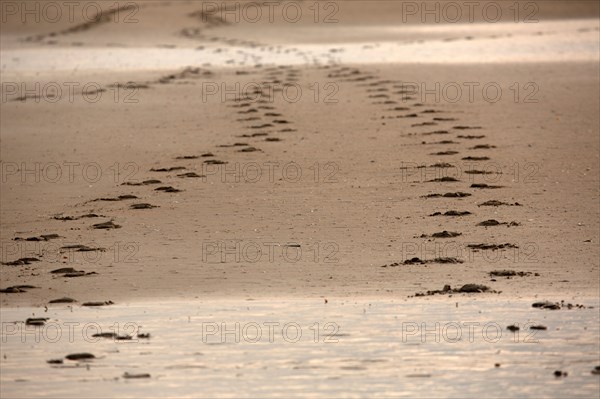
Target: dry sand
[{"x": 358, "y": 204}]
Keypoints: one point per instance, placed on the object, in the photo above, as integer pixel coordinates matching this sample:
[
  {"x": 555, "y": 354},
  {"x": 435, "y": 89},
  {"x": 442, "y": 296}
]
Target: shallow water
[{"x": 362, "y": 348}]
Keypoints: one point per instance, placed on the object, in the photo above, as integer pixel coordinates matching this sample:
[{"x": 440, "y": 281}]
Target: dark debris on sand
[
  {"x": 16, "y": 289},
  {"x": 497, "y": 203},
  {"x": 451, "y": 213},
  {"x": 458, "y": 194},
  {"x": 493, "y": 247},
  {"x": 556, "y": 305},
  {"x": 442, "y": 234},
  {"x": 21, "y": 261},
  {"x": 168, "y": 189},
  {"x": 106, "y": 225},
  {"x": 419, "y": 261},
  {"x": 467, "y": 288},
  {"x": 508, "y": 273}
]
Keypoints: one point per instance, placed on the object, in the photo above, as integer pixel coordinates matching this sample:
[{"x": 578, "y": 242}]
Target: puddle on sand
[{"x": 421, "y": 348}]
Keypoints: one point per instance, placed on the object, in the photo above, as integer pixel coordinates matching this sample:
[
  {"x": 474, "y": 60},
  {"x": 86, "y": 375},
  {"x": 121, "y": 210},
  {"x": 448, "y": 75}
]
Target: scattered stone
[
  {"x": 489, "y": 222},
  {"x": 546, "y": 305},
  {"x": 467, "y": 288},
  {"x": 36, "y": 321},
  {"x": 513, "y": 328},
  {"x": 457, "y": 194},
  {"x": 444, "y": 234},
  {"x": 187, "y": 157},
  {"x": 494, "y": 222},
  {"x": 63, "y": 270},
  {"x": 538, "y": 327},
  {"x": 451, "y": 213},
  {"x": 444, "y": 165},
  {"x": 80, "y": 356},
  {"x": 63, "y": 300},
  {"x": 144, "y": 183},
  {"x": 492, "y": 247},
  {"x": 443, "y": 179},
  {"x": 190, "y": 174},
  {"x": 414, "y": 261},
  {"x": 474, "y": 288},
  {"x": 444, "y": 153},
  {"x": 444, "y": 142},
  {"x": 81, "y": 248},
  {"x": 471, "y": 158},
  {"x": 78, "y": 273},
  {"x": 214, "y": 162},
  {"x": 143, "y": 335},
  {"x": 423, "y": 124},
  {"x": 106, "y": 225},
  {"x": 508, "y": 273},
  {"x": 43, "y": 237},
  {"x": 484, "y": 185},
  {"x": 170, "y": 169},
  {"x": 446, "y": 260},
  {"x": 497, "y": 203},
  {"x": 470, "y": 137},
  {"x": 559, "y": 373},
  {"x": 249, "y": 149},
  {"x": 596, "y": 370},
  {"x": 16, "y": 289},
  {"x": 410, "y": 262},
  {"x": 167, "y": 189},
  {"x": 142, "y": 206},
  {"x": 435, "y": 132},
  {"x": 119, "y": 198},
  {"x": 141, "y": 375},
  {"x": 54, "y": 361},
  {"x": 65, "y": 218},
  {"x": 233, "y": 145},
  {"x": 112, "y": 335},
  {"x": 105, "y": 303},
  {"x": 21, "y": 261}
]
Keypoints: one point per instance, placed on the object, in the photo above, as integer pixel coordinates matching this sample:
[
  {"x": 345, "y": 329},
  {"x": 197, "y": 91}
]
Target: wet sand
[
  {"x": 325, "y": 164},
  {"x": 232, "y": 348}
]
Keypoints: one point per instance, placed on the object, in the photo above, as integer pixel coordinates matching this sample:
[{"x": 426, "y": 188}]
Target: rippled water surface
[{"x": 275, "y": 348}]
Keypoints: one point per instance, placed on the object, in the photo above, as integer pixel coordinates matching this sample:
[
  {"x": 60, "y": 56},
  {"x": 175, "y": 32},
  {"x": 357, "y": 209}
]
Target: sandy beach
[{"x": 186, "y": 158}]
